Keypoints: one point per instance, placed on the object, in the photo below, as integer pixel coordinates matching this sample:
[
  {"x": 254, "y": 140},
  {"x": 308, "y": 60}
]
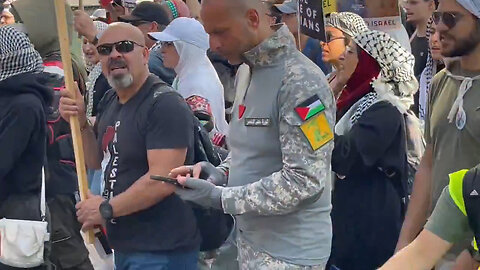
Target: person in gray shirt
[{"x": 276, "y": 181}]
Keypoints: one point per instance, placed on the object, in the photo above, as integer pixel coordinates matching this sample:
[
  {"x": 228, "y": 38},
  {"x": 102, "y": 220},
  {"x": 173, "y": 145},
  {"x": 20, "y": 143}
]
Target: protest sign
[
  {"x": 329, "y": 6},
  {"x": 311, "y": 18},
  {"x": 378, "y": 14}
]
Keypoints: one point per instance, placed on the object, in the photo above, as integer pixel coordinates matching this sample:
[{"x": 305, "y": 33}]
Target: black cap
[{"x": 147, "y": 11}]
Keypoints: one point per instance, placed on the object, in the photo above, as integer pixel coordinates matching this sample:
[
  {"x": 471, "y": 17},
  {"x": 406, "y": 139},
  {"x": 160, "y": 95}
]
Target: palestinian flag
[{"x": 310, "y": 108}]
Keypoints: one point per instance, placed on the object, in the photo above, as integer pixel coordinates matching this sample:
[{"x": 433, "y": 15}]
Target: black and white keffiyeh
[
  {"x": 95, "y": 72},
  {"x": 396, "y": 83},
  {"x": 364, "y": 104},
  {"x": 427, "y": 75},
  {"x": 17, "y": 54},
  {"x": 347, "y": 22}
]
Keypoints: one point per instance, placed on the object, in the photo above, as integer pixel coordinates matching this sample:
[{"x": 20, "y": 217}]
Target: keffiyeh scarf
[
  {"x": 17, "y": 54},
  {"x": 347, "y": 22}
]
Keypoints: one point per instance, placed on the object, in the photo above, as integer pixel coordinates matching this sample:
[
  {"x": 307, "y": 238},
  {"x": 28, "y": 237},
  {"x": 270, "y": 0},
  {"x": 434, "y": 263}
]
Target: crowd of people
[{"x": 217, "y": 135}]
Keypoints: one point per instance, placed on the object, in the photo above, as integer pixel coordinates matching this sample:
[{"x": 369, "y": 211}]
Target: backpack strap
[{"x": 471, "y": 197}]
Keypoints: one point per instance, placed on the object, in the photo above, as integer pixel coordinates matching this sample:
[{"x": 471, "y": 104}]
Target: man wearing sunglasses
[
  {"x": 147, "y": 17},
  {"x": 144, "y": 128},
  {"x": 452, "y": 126},
  {"x": 151, "y": 17}
]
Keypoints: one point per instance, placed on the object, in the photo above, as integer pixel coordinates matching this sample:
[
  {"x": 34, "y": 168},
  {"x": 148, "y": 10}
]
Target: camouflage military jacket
[{"x": 281, "y": 140}]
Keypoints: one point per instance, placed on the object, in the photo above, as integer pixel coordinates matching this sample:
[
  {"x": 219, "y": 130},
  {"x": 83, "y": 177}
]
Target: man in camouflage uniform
[{"x": 277, "y": 176}]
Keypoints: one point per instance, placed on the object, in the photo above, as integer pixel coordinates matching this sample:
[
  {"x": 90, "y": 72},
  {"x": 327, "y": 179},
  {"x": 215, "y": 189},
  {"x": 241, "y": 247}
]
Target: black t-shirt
[
  {"x": 420, "y": 52},
  {"x": 99, "y": 90},
  {"x": 155, "y": 118}
]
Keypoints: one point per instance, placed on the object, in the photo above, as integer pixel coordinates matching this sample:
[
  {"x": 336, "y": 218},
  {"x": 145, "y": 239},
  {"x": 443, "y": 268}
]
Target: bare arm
[
  {"x": 417, "y": 212},
  {"x": 69, "y": 107},
  {"x": 194, "y": 7},
  {"x": 145, "y": 192},
  {"x": 421, "y": 254},
  {"x": 90, "y": 148}
]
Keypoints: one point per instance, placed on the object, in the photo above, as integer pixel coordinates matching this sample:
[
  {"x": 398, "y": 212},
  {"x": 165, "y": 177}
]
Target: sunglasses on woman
[
  {"x": 166, "y": 43},
  {"x": 124, "y": 46},
  {"x": 450, "y": 19}
]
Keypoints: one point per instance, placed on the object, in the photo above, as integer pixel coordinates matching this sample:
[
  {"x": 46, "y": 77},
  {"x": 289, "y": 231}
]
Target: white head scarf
[{"x": 196, "y": 76}]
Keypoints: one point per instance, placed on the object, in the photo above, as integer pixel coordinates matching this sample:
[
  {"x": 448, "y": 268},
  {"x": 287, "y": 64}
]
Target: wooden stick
[{"x": 74, "y": 124}]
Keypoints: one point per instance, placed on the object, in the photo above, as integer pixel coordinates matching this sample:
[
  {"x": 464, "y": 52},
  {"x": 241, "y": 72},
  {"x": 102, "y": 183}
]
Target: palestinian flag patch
[{"x": 310, "y": 108}]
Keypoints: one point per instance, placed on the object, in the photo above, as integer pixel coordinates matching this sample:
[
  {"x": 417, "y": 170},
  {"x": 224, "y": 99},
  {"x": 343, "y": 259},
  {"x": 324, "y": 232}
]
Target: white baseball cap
[
  {"x": 99, "y": 13},
  {"x": 185, "y": 29}
]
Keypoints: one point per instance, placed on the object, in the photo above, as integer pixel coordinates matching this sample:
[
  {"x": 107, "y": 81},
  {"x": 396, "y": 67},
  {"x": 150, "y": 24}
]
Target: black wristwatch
[{"x": 106, "y": 210}]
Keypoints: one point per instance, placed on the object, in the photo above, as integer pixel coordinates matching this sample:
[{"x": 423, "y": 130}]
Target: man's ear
[
  {"x": 146, "y": 54},
  {"x": 253, "y": 18},
  {"x": 154, "y": 27}
]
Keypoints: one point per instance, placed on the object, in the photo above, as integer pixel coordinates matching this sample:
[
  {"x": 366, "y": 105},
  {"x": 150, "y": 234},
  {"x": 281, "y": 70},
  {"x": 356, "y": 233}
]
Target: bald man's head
[
  {"x": 119, "y": 30},
  {"x": 124, "y": 56},
  {"x": 235, "y": 26}
]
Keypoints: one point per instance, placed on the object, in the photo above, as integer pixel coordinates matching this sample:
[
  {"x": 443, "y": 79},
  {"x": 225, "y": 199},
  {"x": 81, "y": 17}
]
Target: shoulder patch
[
  {"x": 310, "y": 107},
  {"x": 317, "y": 130}
]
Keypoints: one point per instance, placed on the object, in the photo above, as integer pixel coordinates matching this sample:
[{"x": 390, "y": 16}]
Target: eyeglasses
[
  {"x": 124, "y": 46},
  {"x": 330, "y": 39},
  {"x": 450, "y": 19},
  {"x": 166, "y": 43}
]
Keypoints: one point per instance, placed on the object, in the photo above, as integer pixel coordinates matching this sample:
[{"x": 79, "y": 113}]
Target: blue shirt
[{"x": 313, "y": 51}]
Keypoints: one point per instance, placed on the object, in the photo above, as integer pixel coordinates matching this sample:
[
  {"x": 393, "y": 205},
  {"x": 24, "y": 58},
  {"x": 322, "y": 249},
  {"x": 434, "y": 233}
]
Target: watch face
[{"x": 106, "y": 210}]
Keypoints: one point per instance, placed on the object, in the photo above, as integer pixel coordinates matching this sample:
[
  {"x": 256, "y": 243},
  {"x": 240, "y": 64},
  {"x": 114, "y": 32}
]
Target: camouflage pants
[{"x": 248, "y": 259}]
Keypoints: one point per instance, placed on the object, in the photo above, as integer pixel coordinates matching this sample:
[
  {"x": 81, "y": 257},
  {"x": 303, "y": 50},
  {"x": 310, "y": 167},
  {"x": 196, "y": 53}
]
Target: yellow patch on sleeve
[{"x": 317, "y": 131}]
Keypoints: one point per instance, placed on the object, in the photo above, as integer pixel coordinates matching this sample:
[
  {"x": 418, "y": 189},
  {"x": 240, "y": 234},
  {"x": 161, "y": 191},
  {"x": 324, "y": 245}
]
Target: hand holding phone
[{"x": 168, "y": 180}]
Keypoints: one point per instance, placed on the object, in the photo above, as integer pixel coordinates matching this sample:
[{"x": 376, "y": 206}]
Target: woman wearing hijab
[
  {"x": 340, "y": 27},
  {"x": 370, "y": 156},
  {"x": 24, "y": 101},
  {"x": 184, "y": 48}
]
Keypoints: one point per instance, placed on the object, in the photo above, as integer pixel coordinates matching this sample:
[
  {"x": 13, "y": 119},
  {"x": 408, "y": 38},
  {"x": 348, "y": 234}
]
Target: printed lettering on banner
[{"x": 311, "y": 18}]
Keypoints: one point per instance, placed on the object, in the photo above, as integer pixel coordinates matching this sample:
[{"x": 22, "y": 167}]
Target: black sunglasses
[
  {"x": 139, "y": 22},
  {"x": 450, "y": 19},
  {"x": 166, "y": 43},
  {"x": 124, "y": 46}
]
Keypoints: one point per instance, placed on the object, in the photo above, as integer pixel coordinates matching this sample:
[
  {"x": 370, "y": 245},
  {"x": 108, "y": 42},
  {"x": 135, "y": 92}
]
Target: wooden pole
[{"x": 74, "y": 124}]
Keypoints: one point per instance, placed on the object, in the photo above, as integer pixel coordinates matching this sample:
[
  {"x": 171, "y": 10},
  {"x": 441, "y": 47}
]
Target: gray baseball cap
[{"x": 288, "y": 7}]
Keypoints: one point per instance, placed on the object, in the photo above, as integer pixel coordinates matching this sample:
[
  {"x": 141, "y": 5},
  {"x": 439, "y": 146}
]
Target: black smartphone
[{"x": 169, "y": 180}]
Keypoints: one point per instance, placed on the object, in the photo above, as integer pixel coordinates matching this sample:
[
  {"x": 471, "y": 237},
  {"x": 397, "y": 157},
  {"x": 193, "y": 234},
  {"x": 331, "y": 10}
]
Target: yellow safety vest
[{"x": 455, "y": 189}]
